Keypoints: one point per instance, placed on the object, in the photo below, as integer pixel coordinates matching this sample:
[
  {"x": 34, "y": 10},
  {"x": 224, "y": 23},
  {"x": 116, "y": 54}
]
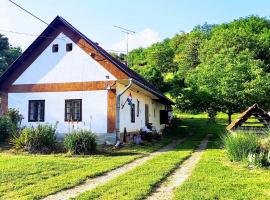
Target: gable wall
[
  {"x": 63, "y": 66},
  {"x": 37, "y": 48}
]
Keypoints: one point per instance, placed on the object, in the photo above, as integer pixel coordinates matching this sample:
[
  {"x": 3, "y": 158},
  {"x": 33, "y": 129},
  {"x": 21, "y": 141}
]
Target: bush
[
  {"x": 14, "y": 116},
  {"x": 9, "y": 124},
  {"x": 262, "y": 156},
  {"x": 80, "y": 142},
  {"x": 38, "y": 139},
  {"x": 6, "y": 128},
  {"x": 240, "y": 144}
]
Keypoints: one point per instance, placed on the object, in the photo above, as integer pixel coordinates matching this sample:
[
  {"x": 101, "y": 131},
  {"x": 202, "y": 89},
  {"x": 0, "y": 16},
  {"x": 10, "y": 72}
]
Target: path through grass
[
  {"x": 139, "y": 182},
  {"x": 216, "y": 177},
  {"x": 35, "y": 176}
]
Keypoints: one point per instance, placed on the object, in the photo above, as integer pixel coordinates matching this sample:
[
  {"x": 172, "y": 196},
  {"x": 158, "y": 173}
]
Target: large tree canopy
[{"x": 8, "y": 54}]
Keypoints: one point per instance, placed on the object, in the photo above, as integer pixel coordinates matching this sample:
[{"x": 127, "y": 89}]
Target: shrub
[
  {"x": 80, "y": 142},
  {"x": 14, "y": 116},
  {"x": 38, "y": 139},
  {"x": 6, "y": 128},
  {"x": 240, "y": 144},
  {"x": 262, "y": 156},
  {"x": 9, "y": 124}
]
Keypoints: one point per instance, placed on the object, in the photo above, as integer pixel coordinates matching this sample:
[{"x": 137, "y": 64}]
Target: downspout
[{"x": 118, "y": 98}]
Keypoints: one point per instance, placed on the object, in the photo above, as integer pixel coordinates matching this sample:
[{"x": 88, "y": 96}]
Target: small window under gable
[
  {"x": 69, "y": 47},
  {"x": 55, "y": 48}
]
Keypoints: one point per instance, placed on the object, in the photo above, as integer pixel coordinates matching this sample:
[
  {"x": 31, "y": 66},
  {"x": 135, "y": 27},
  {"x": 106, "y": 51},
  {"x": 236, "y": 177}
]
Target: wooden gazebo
[{"x": 253, "y": 119}]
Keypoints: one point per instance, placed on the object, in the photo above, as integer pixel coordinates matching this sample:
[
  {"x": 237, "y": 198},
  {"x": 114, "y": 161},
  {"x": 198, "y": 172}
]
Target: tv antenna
[{"x": 127, "y": 32}]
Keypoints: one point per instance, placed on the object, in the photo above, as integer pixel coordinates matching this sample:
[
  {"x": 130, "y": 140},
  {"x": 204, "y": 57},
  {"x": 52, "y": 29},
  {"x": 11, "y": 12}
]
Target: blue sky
[{"x": 153, "y": 20}]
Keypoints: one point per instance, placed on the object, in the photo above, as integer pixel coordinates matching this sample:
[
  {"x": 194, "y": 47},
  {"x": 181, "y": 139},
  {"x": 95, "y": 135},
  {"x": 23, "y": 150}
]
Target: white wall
[
  {"x": 125, "y": 116},
  {"x": 62, "y": 67},
  {"x": 94, "y": 108}
]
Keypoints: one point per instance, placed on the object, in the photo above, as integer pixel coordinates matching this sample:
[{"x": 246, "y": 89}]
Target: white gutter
[{"x": 118, "y": 98}]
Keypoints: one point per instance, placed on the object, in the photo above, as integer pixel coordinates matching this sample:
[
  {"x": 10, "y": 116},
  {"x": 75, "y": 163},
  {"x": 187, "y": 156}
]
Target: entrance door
[{"x": 146, "y": 114}]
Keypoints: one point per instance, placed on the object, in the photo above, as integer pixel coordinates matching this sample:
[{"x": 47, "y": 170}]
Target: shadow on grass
[
  {"x": 200, "y": 127},
  {"x": 4, "y": 147}
]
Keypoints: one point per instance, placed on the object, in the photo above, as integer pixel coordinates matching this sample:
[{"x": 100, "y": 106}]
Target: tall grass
[
  {"x": 80, "y": 142},
  {"x": 240, "y": 144}
]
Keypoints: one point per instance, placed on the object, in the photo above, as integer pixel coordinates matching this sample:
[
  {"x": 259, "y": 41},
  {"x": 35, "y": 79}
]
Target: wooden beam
[{"x": 61, "y": 87}]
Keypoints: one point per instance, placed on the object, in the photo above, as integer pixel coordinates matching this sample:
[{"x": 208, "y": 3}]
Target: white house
[{"x": 65, "y": 77}]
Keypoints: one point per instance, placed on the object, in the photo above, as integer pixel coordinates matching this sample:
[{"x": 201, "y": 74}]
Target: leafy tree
[
  {"x": 153, "y": 75},
  {"x": 229, "y": 82},
  {"x": 137, "y": 57},
  {"x": 252, "y": 33},
  {"x": 187, "y": 47},
  {"x": 154, "y": 62},
  {"x": 160, "y": 55},
  {"x": 8, "y": 54}
]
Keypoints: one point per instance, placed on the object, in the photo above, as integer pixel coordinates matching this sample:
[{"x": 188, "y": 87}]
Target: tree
[
  {"x": 137, "y": 57},
  {"x": 153, "y": 75},
  {"x": 229, "y": 82},
  {"x": 187, "y": 47},
  {"x": 8, "y": 54},
  {"x": 154, "y": 63},
  {"x": 160, "y": 56}
]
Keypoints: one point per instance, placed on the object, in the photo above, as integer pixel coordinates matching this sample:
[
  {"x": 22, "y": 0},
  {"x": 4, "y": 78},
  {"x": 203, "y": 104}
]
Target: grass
[
  {"x": 220, "y": 116},
  {"x": 216, "y": 177},
  {"x": 26, "y": 176},
  {"x": 139, "y": 182}
]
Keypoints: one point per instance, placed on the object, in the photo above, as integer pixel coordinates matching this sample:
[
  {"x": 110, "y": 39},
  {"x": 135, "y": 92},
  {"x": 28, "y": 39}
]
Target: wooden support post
[{"x": 3, "y": 103}]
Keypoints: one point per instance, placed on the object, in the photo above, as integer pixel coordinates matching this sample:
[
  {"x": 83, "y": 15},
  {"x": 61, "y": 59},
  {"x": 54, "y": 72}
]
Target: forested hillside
[{"x": 212, "y": 68}]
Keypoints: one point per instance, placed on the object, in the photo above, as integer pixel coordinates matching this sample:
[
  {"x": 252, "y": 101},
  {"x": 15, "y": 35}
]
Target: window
[
  {"x": 146, "y": 110},
  {"x": 55, "y": 48},
  {"x": 138, "y": 108},
  {"x": 69, "y": 47},
  {"x": 73, "y": 110},
  {"x": 36, "y": 110},
  {"x": 164, "y": 117},
  {"x": 132, "y": 112}
]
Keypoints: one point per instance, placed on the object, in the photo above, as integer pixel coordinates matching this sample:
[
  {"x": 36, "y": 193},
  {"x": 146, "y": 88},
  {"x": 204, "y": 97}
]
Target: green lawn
[
  {"x": 216, "y": 177},
  {"x": 26, "y": 176},
  {"x": 220, "y": 116},
  {"x": 34, "y": 176},
  {"x": 139, "y": 182}
]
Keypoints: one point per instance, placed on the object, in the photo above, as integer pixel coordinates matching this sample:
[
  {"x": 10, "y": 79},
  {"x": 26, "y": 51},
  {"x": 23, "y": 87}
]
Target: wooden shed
[{"x": 254, "y": 118}]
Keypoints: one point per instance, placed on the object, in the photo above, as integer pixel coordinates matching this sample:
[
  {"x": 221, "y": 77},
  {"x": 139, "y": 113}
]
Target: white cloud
[
  {"x": 13, "y": 19},
  {"x": 141, "y": 39},
  {"x": 4, "y": 19}
]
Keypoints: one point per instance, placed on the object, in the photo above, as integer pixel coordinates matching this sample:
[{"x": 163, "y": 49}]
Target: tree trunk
[{"x": 230, "y": 118}]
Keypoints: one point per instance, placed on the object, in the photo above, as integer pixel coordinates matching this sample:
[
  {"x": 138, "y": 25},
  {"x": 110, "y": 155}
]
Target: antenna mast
[{"x": 127, "y": 32}]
